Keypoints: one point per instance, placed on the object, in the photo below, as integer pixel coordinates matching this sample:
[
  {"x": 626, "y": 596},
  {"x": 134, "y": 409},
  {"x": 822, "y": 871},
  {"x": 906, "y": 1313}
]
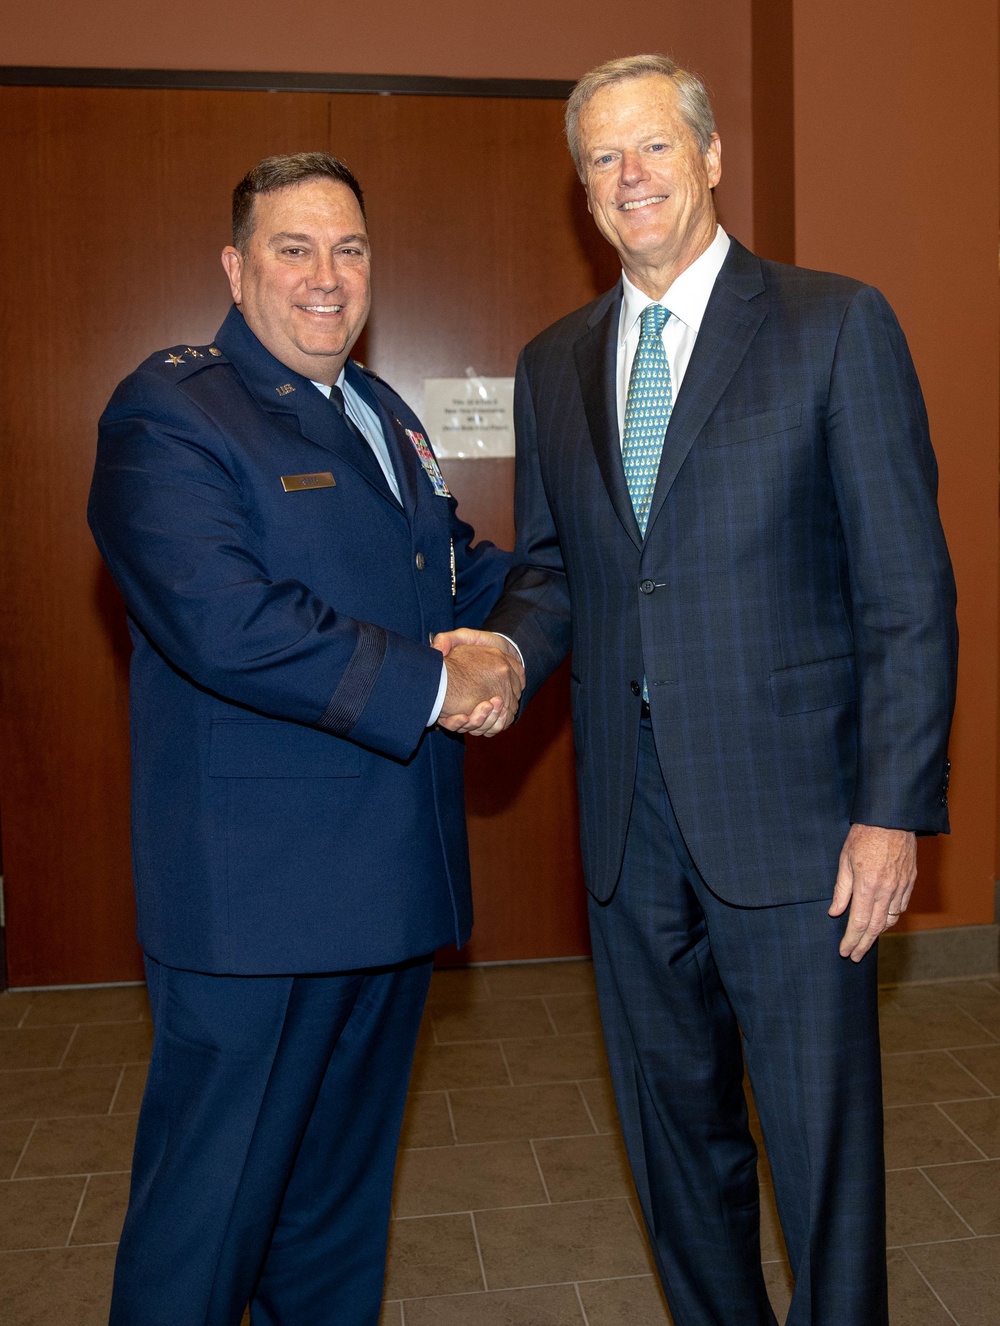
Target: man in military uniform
[{"x": 286, "y": 546}]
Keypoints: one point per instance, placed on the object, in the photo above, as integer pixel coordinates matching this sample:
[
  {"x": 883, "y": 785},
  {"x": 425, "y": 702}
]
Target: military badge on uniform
[{"x": 427, "y": 460}]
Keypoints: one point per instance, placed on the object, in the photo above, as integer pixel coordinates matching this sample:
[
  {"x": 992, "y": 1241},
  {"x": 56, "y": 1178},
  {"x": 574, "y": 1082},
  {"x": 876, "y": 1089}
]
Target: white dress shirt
[
  {"x": 361, "y": 414},
  {"x": 687, "y": 300}
]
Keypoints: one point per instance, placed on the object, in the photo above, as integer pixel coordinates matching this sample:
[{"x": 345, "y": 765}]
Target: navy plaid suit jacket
[{"x": 792, "y": 605}]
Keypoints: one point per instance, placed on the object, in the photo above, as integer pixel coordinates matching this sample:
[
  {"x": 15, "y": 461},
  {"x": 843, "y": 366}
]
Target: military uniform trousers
[
  {"x": 688, "y": 986},
  {"x": 266, "y": 1147}
]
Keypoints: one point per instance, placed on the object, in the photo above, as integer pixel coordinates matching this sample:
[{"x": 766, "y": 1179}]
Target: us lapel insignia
[
  {"x": 285, "y": 389},
  {"x": 428, "y": 461}
]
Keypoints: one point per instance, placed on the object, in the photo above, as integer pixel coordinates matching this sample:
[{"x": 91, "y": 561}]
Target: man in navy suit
[
  {"x": 287, "y": 547},
  {"x": 726, "y": 509}
]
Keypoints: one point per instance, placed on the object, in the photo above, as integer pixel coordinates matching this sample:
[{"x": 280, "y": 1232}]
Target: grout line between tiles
[
  {"x": 944, "y": 1198},
  {"x": 579, "y": 1299},
  {"x": 506, "y": 1064},
  {"x": 541, "y": 1174},
  {"x": 79, "y": 1208},
  {"x": 964, "y": 1133},
  {"x": 479, "y": 1251},
  {"x": 586, "y": 1105},
  {"x": 451, "y": 1119},
  {"x": 118, "y": 1087},
  {"x": 27, "y": 1140},
  {"x": 24, "y": 1015},
  {"x": 548, "y": 1014},
  {"x": 951, "y": 1055},
  {"x": 516, "y": 1289},
  {"x": 923, "y": 1277},
  {"x": 14, "y": 1252},
  {"x": 65, "y": 1052}
]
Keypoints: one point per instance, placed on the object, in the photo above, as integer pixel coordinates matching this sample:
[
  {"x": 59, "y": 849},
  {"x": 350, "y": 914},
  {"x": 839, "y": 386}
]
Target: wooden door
[{"x": 115, "y": 208}]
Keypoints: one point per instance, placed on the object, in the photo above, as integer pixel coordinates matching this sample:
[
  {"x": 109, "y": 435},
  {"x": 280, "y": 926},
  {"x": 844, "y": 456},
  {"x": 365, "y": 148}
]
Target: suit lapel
[
  {"x": 596, "y": 365},
  {"x": 402, "y": 456},
  {"x": 731, "y": 321},
  {"x": 283, "y": 392}
]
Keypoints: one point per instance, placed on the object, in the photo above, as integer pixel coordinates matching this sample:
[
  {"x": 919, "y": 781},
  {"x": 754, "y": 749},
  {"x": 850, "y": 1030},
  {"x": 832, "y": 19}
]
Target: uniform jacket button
[
  {"x": 419, "y": 559},
  {"x": 635, "y": 688}
]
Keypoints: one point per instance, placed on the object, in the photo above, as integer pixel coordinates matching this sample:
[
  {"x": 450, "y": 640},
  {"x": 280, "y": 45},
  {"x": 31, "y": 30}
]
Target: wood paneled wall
[{"x": 116, "y": 207}]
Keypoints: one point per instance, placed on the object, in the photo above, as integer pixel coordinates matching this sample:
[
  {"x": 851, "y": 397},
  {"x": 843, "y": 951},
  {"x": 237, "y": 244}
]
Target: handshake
[{"x": 485, "y": 681}]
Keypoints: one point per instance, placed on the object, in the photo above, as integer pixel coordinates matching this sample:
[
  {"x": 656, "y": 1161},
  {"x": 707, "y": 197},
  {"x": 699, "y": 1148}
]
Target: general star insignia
[{"x": 174, "y": 359}]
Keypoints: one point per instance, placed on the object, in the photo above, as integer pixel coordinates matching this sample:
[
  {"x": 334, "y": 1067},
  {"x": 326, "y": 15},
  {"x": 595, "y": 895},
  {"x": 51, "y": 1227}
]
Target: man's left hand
[{"x": 878, "y": 868}]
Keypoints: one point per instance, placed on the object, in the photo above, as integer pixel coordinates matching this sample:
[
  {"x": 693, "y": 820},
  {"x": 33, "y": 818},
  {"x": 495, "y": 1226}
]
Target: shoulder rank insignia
[
  {"x": 429, "y": 462},
  {"x": 174, "y": 359}
]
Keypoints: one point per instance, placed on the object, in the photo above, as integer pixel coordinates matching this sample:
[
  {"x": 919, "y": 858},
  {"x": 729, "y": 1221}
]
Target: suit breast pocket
[
  {"x": 751, "y": 427},
  {"x": 270, "y": 748}
]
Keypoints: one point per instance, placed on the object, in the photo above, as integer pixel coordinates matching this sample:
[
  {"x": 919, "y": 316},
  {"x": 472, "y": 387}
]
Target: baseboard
[{"x": 936, "y": 955}]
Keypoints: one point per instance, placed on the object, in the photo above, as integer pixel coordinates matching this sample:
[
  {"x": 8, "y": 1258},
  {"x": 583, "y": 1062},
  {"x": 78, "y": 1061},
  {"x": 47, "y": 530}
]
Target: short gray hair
[{"x": 695, "y": 105}]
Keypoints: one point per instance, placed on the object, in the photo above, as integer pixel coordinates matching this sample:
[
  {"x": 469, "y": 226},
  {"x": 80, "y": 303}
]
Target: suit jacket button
[
  {"x": 647, "y": 586},
  {"x": 635, "y": 688},
  {"x": 421, "y": 563}
]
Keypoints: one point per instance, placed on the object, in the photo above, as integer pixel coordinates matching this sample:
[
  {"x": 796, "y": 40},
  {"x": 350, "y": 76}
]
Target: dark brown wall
[
  {"x": 520, "y": 39},
  {"x": 897, "y": 183}
]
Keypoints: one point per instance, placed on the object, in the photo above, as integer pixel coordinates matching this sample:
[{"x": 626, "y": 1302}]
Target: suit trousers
[
  {"x": 266, "y": 1146},
  {"x": 689, "y": 986}
]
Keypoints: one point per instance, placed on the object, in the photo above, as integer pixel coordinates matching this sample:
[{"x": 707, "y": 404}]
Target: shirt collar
[{"x": 687, "y": 298}]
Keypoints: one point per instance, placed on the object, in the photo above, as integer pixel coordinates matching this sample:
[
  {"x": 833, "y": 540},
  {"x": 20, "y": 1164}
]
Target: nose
[
  {"x": 325, "y": 273},
  {"x": 633, "y": 171}
]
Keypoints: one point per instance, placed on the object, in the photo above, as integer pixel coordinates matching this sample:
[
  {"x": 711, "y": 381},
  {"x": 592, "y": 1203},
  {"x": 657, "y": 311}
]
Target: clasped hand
[{"x": 485, "y": 681}]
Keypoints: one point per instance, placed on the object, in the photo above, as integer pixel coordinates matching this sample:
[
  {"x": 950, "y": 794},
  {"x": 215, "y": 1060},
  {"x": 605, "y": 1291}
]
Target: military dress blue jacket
[{"x": 290, "y": 810}]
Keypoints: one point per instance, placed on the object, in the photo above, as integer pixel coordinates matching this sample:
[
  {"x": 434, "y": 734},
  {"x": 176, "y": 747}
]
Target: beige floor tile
[
  {"x": 974, "y": 1192},
  {"x": 457, "y": 986},
  {"x": 498, "y": 1114},
  {"x": 391, "y": 1314},
  {"x": 921, "y": 1019},
  {"x": 432, "y": 1255},
  {"x": 68, "y": 1286},
  {"x": 584, "y": 1168},
  {"x": 124, "y": 1004},
  {"x": 93, "y": 1145},
  {"x": 772, "y": 1240},
  {"x": 563, "y": 1059},
  {"x": 979, "y": 1120},
  {"x": 779, "y": 1283},
  {"x": 103, "y": 1210},
  {"x": 533, "y": 1245},
  {"x": 574, "y": 1013},
  {"x": 911, "y": 1303},
  {"x": 34, "y": 1047},
  {"x": 983, "y": 1062},
  {"x": 54, "y": 1092},
  {"x": 921, "y": 1135},
  {"x": 967, "y": 1277},
  {"x": 426, "y": 1121},
  {"x": 129, "y": 1095},
  {"x": 466, "y": 1178},
  {"x": 111, "y": 1043},
  {"x": 916, "y": 1212},
  {"x": 13, "y": 1008},
  {"x": 979, "y": 999},
  {"x": 12, "y": 1139},
  {"x": 601, "y": 1103},
  {"x": 38, "y": 1213},
  {"x": 541, "y": 978},
  {"x": 465, "y": 1064},
  {"x": 555, "y": 1305},
  {"x": 491, "y": 1019},
  {"x": 636, "y": 1301},
  {"x": 928, "y": 1075}
]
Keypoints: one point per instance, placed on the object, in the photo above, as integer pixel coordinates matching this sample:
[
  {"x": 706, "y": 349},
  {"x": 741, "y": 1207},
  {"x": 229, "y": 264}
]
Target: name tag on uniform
[{"x": 297, "y": 483}]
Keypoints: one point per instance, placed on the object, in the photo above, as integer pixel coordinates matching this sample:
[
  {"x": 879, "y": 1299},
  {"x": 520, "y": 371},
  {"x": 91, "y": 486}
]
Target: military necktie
[
  {"x": 647, "y": 412},
  {"x": 367, "y": 460}
]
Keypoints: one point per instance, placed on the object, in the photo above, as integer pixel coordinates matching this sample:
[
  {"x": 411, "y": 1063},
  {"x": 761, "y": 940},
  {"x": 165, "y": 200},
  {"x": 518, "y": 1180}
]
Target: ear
[
  {"x": 713, "y": 161},
  {"x": 233, "y": 263}
]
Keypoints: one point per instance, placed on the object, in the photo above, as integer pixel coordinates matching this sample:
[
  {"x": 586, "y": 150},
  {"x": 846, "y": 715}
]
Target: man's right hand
[{"x": 485, "y": 681}]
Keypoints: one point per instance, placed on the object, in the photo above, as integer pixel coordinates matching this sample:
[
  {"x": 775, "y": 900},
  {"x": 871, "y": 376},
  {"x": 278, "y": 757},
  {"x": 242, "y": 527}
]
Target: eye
[
  {"x": 657, "y": 147},
  {"x": 293, "y": 251},
  {"x": 605, "y": 160}
]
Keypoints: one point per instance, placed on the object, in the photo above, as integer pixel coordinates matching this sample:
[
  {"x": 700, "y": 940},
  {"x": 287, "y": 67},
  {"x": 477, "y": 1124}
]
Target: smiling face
[
  {"x": 649, "y": 186},
  {"x": 304, "y": 282}
]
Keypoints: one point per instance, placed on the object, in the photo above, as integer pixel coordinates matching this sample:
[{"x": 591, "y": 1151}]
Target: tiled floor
[{"x": 513, "y": 1205}]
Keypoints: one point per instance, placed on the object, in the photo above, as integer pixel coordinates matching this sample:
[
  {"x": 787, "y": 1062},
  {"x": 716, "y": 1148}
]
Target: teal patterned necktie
[{"x": 647, "y": 412}]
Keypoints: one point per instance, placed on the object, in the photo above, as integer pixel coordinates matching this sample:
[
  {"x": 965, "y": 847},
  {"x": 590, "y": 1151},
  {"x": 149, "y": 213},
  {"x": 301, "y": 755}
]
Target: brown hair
[{"x": 279, "y": 173}]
